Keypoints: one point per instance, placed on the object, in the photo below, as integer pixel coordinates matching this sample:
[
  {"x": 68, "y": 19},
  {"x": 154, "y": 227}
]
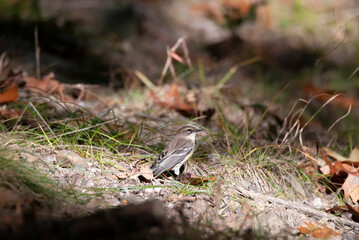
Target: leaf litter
[{"x": 207, "y": 199}]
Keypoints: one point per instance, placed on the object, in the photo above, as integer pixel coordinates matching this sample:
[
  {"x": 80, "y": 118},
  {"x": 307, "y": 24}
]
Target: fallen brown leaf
[
  {"x": 318, "y": 231},
  {"x": 342, "y": 208},
  {"x": 326, "y": 170},
  {"x": 345, "y": 208},
  {"x": 188, "y": 178},
  {"x": 48, "y": 84},
  {"x": 326, "y": 94},
  {"x": 353, "y": 210},
  {"x": 143, "y": 172},
  {"x": 354, "y": 155},
  {"x": 329, "y": 169},
  {"x": 146, "y": 172},
  {"x": 333, "y": 154},
  {"x": 9, "y": 113},
  {"x": 351, "y": 188},
  {"x": 347, "y": 167},
  {"x": 183, "y": 100},
  {"x": 171, "y": 100},
  {"x": 9, "y": 94},
  {"x": 343, "y": 170}
]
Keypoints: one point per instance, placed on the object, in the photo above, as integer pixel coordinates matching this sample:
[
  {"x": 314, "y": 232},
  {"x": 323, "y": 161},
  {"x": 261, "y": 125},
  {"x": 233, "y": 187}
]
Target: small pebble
[
  {"x": 88, "y": 183},
  {"x": 149, "y": 190},
  {"x": 50, "y": 158},
  {"x": 317, "y": 203}
]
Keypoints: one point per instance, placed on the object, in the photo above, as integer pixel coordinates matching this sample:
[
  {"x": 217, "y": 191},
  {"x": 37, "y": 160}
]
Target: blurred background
[{"x": 313, "y": 45}]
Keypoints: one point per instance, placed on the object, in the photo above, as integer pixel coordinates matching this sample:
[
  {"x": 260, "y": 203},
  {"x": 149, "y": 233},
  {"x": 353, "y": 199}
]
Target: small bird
[{"x": 177, "y": 152}]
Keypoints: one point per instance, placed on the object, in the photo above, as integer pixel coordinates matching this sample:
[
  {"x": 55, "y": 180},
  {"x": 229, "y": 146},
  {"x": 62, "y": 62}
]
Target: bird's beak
[{"x": 198, "y": 130}]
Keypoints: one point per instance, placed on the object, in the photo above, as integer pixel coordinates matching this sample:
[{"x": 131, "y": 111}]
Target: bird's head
[{"x": 188, "y": 131}]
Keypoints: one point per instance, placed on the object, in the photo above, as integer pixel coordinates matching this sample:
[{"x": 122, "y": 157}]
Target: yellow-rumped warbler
[{"x": 177, "y": 152}]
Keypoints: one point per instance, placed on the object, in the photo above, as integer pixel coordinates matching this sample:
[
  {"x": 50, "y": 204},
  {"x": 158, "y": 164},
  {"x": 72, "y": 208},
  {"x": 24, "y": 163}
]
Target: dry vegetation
[{"x": 74, "y": 158}]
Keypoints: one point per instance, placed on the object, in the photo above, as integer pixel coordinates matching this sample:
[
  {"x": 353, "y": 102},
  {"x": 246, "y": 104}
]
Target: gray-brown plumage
[{"x": 177, "y": 152}]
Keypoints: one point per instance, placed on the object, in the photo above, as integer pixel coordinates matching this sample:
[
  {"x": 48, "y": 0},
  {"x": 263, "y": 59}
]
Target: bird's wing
[{"x": 169, "y": 160}]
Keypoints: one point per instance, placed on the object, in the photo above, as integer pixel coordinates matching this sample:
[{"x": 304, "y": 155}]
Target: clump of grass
[
  {"x": 16, "y": 176},
  {"x": 266, "y": 169}
]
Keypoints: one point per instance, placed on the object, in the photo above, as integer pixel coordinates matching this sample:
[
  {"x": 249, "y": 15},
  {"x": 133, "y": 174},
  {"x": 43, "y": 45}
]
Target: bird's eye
[{"x": 189, "y": 130}]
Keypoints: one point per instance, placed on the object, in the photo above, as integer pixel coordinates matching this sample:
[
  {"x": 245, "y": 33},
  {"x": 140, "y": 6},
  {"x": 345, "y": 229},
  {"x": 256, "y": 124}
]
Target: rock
[
  {"x": 50, "y": 159},
  {"x": 317, "y": 203},
  {"x": 88, "y": 183},
  {"x": 348, "y": 236},
  {"x": 271, "y": 222},
  {"x": 77, "y": 178},
  {"x": 133, "y": 198},
  {"x": 111, "y": 200},
  {"x": 69, "y": 159},
  {"x": 200, "y": 206},
  {"x": 28, "y": 157}
]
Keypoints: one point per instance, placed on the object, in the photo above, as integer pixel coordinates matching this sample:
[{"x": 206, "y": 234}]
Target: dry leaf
[
  {"x": 351, "y": 188},
  {"x": 354, "y": 155},
  {"x": 334, "y": 155},
  {"x": 344, "y": 168},
  {"x": 146, "y": 172},
  {"x": 325, "y": 95},
  {"x": 9, "y": 94},
  {"x": 326, "y": 170},
  {"x": 182, "y": 100},
  {"x": 329, "y": 169},
  {"x": 142, "y": 172},
  {"x": 345, "y": 208},
  {"x": 48, "y": 84},
  {"x": 353, "y": 210},
  {"x": 342, "y": 208},
  {"x": 171, "y": 99},
  {"x": 320, "y": 232},
  {"x": 347, "y": 167},
  {"x": 177, "y": 57},
  {"x": 188, "y": 178},
  {"x": 9, "y": 113}
]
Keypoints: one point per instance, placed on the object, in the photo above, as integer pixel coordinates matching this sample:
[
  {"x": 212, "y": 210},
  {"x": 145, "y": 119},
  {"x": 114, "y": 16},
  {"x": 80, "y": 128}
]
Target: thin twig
[
  {"x": 19, "y": 118},
  {"x": 345, "y": 115},
  {"x": 355, "y": 71},
  {"x": 86, "y": 128},
  {"x": 186, "y": 54},
  {"x": 145, "y": 80},
  {"x": 169, "y": 64},
  {"x": 297, "y": 206},
  {"x": 42, "y": 119},
  {"x": 4, "y": 62},
  {"x": 165, "y": 68},
  {"x": 171, "y": 67},
  {"x": 37, "y": 53}
]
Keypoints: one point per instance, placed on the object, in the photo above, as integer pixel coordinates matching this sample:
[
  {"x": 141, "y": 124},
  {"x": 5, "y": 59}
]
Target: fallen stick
[{"x": 297, "y": 206}]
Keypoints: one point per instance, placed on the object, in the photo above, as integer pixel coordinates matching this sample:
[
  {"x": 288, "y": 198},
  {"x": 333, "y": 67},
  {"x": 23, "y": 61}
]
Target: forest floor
[
  {"x": 92, "y": 151},
  {"x": 276, "y": 157}
]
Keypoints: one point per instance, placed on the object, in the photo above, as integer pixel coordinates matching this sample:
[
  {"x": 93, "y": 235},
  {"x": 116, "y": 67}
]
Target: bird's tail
[{"x": 156, "y": 170}]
